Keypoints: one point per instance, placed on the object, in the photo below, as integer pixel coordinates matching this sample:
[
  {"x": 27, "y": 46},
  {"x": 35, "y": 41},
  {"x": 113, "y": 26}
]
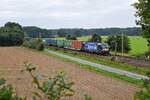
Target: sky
[{"x": 55, "y": 14}]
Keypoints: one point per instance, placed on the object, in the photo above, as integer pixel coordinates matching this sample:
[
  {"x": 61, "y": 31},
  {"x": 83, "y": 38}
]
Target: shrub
[
  {"x": 145, "y": 93},
  {"x": 87, "y": 97},
  {"x": 54, "y": 88},
  {"x": 40, "y": 47},
  {"x": 34, "y": 44},
  {"x": 7, "y": 93},
  {"x": 148, "y": 54}
]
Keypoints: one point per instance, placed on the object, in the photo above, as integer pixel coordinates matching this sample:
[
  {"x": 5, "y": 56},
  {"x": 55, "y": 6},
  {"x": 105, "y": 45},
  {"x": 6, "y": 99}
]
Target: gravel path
[{"x": 103, "y": 67}]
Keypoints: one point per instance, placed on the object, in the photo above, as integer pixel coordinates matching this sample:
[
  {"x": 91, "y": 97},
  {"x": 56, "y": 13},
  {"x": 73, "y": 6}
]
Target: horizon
[{"x": 83, "y": 28}]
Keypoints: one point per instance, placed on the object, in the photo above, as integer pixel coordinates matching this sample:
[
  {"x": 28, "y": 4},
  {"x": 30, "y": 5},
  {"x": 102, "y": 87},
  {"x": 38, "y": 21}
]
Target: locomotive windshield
[{"x": 105, "y": 46}]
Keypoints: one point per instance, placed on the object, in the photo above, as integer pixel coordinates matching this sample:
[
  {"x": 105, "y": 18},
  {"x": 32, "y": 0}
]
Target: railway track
[{"x": 138, "y": 62}]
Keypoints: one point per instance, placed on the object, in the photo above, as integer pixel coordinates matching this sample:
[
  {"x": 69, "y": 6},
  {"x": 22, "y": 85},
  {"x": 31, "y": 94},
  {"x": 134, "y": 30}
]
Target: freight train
[{"x": 91, "y": 47}]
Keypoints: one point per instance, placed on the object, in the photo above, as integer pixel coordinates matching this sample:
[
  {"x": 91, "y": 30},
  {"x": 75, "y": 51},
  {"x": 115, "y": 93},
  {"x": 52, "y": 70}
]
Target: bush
[
  {"x": 34, "y": 44},
  {"x": 145, "y": 93},
  {"x": 148, "y": 54},
  {"x": 54, "y": 88},
  {"x": 7, "y": 93},
  {"x": 40, "y": 47}
]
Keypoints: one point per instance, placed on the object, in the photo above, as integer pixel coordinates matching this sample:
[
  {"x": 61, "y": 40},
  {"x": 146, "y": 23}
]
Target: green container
[
  {"x": 67, "y": 43},
  {"x": 60, "y": 43}
]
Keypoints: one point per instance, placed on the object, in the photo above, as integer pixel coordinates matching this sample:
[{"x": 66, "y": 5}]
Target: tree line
[{"x": 46, "y": 33}]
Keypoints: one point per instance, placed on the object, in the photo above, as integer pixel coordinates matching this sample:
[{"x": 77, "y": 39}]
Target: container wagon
[
  {"x": 78, "y": 45},
  {"x": 60, "y": 43},
  {"x": 50, "y": 42},
  {"x": 67, "y": 43}
]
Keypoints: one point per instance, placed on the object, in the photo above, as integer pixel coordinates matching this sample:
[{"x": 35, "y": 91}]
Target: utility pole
[
  {"x": 122, "y": 44},
  {"x": 115, "y": 48},
  {"x": 114, "y": 43},
  {"x": 40, "y": 35},
  {"x": 91, "y": 35}
]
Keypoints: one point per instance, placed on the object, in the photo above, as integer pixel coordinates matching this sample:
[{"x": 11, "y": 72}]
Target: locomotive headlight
[{"x": 105, "y": 49}]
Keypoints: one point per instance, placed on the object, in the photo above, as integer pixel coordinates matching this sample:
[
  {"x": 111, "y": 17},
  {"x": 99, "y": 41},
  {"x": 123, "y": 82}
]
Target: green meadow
[{"x": 138, "y": 45}]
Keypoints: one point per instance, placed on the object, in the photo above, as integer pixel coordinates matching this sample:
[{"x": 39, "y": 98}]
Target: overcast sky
[{"x": 68, "y": 13}]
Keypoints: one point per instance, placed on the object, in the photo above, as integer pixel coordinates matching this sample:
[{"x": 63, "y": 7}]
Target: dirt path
[{"x": 98, "y": 86}]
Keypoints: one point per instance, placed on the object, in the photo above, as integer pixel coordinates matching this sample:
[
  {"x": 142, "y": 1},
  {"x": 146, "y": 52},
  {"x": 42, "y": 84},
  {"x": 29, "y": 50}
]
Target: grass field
[{"x": 138, "y": 44}]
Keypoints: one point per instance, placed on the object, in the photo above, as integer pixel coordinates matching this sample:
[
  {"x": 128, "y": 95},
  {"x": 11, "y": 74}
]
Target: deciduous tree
[
  {"x": 143, "y": 14},
  {"x": 115, "y": 43}
]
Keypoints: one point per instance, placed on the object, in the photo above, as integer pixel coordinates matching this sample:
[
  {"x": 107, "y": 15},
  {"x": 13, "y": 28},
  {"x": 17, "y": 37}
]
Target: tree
[
  {"x": 11, "y": 34},
  {"x": 61, "y": 33},
  {"x": 96, "y": 38},
  {"x": 13, "y": 25},
  {"x": 69, "y": 37},
  {"x": 143, "y": 14},
  {"x": 78, "y": 33},
  {"x": 115, "y": 43}
]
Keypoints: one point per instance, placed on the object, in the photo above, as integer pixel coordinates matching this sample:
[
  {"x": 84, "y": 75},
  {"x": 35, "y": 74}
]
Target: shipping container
[
  {"x": 50, "y": 42},
  {"x": 76, "y": 45},
  {"x": 53, "y": 42},
  {"x": 45, "y": 41},
  {"x": 60, "y": 43},
  {"x": 67, "y": 43}
]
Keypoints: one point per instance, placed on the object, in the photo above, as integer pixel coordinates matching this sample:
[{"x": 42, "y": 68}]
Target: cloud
[{"x": 68, "y": 13}]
